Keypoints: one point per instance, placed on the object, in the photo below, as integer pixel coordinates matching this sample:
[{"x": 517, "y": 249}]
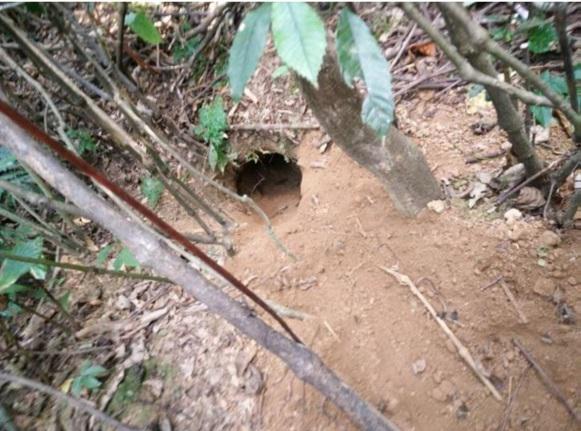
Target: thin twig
[
  {"x": 404, "y": 45},
  {"x": 83, "y": 268},
  {"x": 72, "y": 401},
  {"x": 120, "y": 35},
  {"x": 465, "y": 69},
  {"x": 561, "y": 26},
  {"x": 61, "y": 126},
  {"x": 462, "y": 350},
  {"x": 551, "y": 386},
  {"x": 37, "y": 199},
  {"x": 512, "y": 299},
  {"x": 503, "y": 197}
]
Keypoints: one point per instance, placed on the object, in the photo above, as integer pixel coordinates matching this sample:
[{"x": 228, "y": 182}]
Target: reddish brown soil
[{"x": 371, "y": 330}]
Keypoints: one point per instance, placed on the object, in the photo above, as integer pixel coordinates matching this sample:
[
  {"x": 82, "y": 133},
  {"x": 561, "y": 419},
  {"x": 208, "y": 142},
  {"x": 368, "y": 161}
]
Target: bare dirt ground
[{"x": 373, "y": 331}]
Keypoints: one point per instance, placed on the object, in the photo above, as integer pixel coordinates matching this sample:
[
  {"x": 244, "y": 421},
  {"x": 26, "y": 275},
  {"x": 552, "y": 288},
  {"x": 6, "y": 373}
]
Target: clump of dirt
[{"x": 272, "y": 180}]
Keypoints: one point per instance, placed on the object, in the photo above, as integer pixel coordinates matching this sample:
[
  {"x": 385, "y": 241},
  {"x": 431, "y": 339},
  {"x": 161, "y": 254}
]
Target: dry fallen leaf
[{"x": 427, "y": 49}]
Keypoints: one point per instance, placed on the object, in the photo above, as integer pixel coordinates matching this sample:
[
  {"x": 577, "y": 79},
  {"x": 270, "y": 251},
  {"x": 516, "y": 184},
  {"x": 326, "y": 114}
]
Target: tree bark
[
  {"x": 156, "y": 255},
  {"x": 508, "y": 117},
  {"x": 395, "y": 160}
]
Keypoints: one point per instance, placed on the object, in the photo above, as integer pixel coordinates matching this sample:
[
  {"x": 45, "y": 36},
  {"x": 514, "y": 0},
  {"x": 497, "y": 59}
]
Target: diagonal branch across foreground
[{"x": 156, "y": 255}]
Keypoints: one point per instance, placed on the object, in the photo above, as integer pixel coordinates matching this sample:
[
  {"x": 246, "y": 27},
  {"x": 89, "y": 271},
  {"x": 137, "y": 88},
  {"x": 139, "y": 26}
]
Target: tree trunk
[
  {"x": 395, "y": 160},
  {"x": 508, "y": 117}
]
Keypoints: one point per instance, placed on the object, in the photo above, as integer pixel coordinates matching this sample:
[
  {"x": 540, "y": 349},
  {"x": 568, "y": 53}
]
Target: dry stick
[
  {"x": 37, "y": 199},
  {"x": 156, "y": 255},
  {"x": 404, "y": 280},
  {"x": 83, "y": 268},
  {"x": 465, "y": 69},
  {"x": 512, "y": 299},
  {"x": 72, "y": 401},
  {"x": 503, "y": 197},
  {"x": 61, "y": 127},
  {"x": 404, "y": 45},
  {"x": 551, "y": 386}
]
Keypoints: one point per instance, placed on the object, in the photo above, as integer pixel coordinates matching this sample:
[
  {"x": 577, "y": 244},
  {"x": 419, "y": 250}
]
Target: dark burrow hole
[{"x": 272, "y": 181}]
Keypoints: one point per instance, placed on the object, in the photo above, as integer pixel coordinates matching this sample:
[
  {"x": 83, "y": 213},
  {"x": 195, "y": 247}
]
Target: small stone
[
  {"x": 438, "y": 377},
  {"x": 444, "y": 391},
  {"x": 512, "y": 216},
  {"x": 549, "y": 239},
  {"x": 437, "y": 206},
  {"x": 419, "y": 366},
  {"x": 155, "y": 386},
  {"x": 544, "y": 287},
  {"x": 572, "y": 281}
]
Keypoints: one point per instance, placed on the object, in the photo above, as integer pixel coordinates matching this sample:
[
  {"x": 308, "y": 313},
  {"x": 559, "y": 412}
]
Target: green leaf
[
  {"x": 360, "y": 57},
  {"x": 213, "y": 122},
  {"x": 541, "y": 38},
  {"x": 12, "y": 270},
  {"x": 104, "y": 254},
  {"x": 125, "y": 259},
  {"x": 503, "y": 34},
  {"x": 143, "y": 27},
  {"x": 65, "y": 300},
  {"x": 151, "y": 188},
  {"x": 543, "y": 115},
  {"x": 84, "y": 140},
  {"x": 556, "y": 82},
  {"x": 247, "y": 48},
  {"x": 299, "y": 37},
  {"x": 186, "y": 50}
]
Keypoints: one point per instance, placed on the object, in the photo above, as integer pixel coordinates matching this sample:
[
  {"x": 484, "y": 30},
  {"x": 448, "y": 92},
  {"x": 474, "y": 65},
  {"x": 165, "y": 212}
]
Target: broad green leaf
[
  {"x": 541, "y": 38},
  {"x": 143, "y": 27},
  {"x": 104, "y": 254},
  {"x": 503, "y": 34},
  {"x": 125, "y": 259},
  {"x": 12, "y": 270},
  {"x": 299, "y": 37},
  {"x": 247, "y": 48},
  {"x": 543, "y": 115},
  {"x": 556, "y": 82},
  {"x": 151, "y": 188},
  {"x": 360, "y": 57}
]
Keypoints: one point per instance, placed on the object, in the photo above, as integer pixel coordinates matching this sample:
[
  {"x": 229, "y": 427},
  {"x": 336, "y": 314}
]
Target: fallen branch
[
  {"x": 72, "y": 401},
  {"x": 503, "y": 197},
  {"x": 156, "y": 255},
  {"x": 551, "y": 386},
  {"x": 404, "y": 280}
]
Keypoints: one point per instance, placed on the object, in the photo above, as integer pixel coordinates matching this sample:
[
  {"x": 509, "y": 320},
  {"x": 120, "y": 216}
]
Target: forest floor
[
  {"x": 173, "y": 364},
  {"x": 374, "y": 332}
]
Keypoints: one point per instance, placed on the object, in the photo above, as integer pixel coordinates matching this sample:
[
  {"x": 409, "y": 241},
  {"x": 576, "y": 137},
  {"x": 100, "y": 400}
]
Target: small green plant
[
  {"x": 12, "y": 171},
  {"x": 143, "y": 27},
  {"x": 543, "y": 115},
  {"x": 212, "y": 125},
  {"x": 152, "y": 189},
  {"x": 84, "y": 140},
  {"x": 182, "y": 51},
  {"x": 88, "y": 378}
]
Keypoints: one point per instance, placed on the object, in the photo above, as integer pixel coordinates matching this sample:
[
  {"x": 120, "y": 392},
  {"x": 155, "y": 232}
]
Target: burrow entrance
[{"x": 273, "y": 181}]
